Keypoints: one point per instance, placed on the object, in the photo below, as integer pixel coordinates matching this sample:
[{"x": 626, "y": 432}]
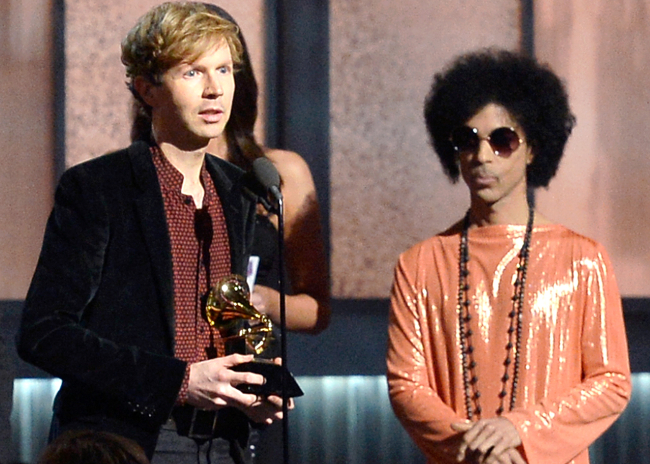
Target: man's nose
[{"x": 213, "y": 87}]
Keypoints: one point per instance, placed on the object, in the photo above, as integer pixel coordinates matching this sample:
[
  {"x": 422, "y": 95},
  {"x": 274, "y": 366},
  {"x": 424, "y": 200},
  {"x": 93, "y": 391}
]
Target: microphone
[
  {"x": 267, "y": 176},
  {"x": 260, "y": 184}
]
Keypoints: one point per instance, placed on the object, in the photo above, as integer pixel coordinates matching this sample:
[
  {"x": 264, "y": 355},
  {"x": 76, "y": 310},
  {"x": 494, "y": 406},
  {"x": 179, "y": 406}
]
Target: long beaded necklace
[{"x": 470, "y": 377}]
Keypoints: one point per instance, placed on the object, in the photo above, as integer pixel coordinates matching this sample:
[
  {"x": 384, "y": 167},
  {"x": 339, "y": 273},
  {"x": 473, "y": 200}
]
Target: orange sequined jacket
[{"x": 574, "y": 379}]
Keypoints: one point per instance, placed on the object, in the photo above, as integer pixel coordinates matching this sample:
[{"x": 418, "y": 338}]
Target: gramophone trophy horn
[{"x": 229, "y": 310}]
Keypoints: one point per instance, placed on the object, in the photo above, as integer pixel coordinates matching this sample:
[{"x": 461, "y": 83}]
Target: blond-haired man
[{"x": 135, "y": 240}]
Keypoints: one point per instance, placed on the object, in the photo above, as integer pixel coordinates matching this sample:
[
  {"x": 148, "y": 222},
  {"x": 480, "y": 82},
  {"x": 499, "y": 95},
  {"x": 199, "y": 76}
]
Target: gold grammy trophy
[
  {"x": 247, "y": 331},
  {"x": 242, "y": 327}
]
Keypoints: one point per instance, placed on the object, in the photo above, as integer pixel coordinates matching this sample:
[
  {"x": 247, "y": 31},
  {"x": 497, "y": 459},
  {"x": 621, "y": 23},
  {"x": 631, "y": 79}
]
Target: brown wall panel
[
  {"x": 602, "y": 189},
  {"x": 387, "y": 188},
  {"x": 26, "y": 139}
]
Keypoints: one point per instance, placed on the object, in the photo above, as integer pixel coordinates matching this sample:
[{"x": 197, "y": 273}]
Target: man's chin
[
  {"x": 192, "y": 143},
  {"x": 206, "y": 133}
]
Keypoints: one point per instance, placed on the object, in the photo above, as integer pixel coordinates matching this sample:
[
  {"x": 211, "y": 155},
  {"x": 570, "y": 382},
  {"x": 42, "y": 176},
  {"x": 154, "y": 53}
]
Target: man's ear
[{"x": 145, "y": 89}]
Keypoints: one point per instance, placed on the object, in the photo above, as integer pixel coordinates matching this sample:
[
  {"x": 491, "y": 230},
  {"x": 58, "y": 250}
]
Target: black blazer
[{"x": 99, "y": 313}]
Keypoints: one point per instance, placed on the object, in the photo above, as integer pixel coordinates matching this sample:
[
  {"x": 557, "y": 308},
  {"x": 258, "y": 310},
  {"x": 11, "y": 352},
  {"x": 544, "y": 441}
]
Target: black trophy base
[{"x": 274, "y": 374}]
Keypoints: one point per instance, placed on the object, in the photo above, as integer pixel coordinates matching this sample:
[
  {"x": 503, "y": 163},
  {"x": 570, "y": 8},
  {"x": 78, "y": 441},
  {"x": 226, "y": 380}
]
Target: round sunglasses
[{"x": 502, "y": 140}]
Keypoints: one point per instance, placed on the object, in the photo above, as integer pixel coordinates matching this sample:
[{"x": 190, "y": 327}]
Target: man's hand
[
  {"x": 212, "y": 386},
  {"x": 489, "y": 441}
]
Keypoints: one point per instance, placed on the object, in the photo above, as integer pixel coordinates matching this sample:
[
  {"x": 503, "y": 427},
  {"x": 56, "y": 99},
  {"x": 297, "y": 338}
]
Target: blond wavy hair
[{"x": 173, "y": 33}]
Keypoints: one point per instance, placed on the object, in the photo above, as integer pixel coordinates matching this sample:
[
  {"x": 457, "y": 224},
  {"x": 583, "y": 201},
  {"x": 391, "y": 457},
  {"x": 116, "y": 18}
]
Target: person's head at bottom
[{"x": 92, "y": 447}]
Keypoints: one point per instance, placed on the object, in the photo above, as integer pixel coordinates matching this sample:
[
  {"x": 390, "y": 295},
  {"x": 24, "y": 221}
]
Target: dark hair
[
  {"x": 533, "y": 95},
  {"x": 242, "y": 146},
  {"x": 92, "y": 447}
]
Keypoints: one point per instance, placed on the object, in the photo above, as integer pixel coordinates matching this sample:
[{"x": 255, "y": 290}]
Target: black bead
[{"x": 515, "y": 315}]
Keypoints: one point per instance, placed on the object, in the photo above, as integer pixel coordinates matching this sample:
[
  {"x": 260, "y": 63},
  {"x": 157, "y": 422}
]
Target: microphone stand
[
  {"x": 283, "y": 325},
  {"x": 283, "y": 332},
  {"x": 267, "y": 177}
]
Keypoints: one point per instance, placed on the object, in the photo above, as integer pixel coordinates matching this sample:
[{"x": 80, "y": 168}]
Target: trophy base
[{"x": 274, "y": 374}]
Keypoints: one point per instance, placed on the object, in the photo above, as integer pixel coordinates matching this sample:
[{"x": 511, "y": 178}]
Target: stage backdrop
[
  {"x": 386, "y": 188},
  {"x": 602, "y": 189},
  {"x": 26, "y": 139}
]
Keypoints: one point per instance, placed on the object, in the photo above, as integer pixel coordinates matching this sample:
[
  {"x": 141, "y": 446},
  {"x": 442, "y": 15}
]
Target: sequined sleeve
[
  {"x": 412, "y": 385},
  {"x": 557, "y": 428}
]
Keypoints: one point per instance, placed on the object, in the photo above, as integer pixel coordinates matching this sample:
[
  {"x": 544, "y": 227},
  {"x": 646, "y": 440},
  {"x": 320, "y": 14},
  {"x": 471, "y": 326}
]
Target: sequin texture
[{"x": 575, "y": 377}]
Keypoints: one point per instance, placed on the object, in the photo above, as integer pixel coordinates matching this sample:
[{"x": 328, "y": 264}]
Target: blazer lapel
[
  {"x": 151, "y": 212},
  {"x": 237, "y": 209}
]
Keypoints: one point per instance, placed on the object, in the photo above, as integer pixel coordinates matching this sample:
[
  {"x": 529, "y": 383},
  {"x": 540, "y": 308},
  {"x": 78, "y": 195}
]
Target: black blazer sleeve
[{"x": 92, "y": 315}]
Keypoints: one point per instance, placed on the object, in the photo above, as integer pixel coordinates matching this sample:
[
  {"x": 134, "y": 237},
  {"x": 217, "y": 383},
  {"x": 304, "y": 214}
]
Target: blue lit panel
[{"x": 345, "y": 420}]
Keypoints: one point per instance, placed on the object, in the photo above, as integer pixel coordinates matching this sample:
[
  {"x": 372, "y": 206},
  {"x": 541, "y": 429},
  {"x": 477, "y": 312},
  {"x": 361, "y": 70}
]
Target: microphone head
[{"x": 265, "y": 173}]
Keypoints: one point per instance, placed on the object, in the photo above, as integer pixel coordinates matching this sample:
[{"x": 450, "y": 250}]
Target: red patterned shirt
[{"x": 200, "y": 256}]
